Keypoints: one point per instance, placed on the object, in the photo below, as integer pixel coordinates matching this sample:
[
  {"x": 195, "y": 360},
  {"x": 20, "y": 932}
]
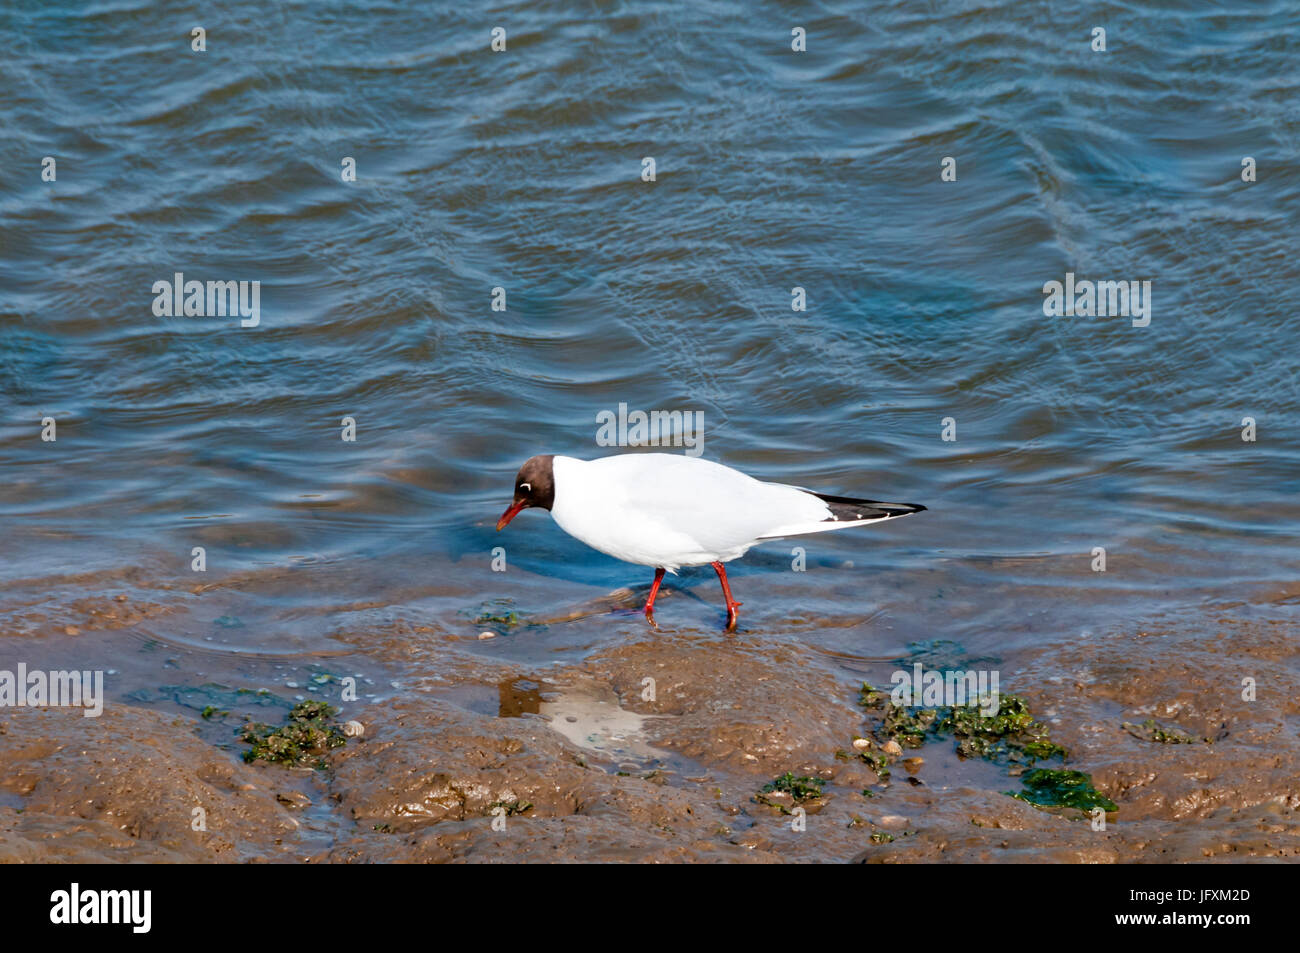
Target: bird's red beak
[{"x": 510, "y": 514}]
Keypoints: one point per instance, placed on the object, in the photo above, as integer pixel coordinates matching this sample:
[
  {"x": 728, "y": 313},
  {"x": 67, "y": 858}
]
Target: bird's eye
[{"x": 526, "y": 486}]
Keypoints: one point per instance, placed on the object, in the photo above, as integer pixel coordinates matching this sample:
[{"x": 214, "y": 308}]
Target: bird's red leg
[
  {"x": 654, "y": 591},
  {"x": 732, "y": 606}
]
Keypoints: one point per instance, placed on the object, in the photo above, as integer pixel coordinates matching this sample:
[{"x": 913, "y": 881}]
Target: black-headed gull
[{"x": 669, "y": 511}]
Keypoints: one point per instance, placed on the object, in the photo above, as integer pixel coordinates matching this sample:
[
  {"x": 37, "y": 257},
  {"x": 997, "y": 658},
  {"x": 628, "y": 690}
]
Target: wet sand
[{"x": 591, "y": 766}]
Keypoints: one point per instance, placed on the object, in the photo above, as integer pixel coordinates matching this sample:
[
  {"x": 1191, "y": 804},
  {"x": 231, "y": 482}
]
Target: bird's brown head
[{"x": 534, "y": 486}]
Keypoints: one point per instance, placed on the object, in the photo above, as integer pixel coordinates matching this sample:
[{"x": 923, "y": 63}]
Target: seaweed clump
[
  {"x": 788, "y": 791},
  {"x": 1152, "y": 731},
  {"x": 511, "y": 808},
  {"x": 1011, "y": 735},
  {"x": 497, "y": 613},
  {"x": 1049, "y": 787},
  {"x": 301, "y": 742}
]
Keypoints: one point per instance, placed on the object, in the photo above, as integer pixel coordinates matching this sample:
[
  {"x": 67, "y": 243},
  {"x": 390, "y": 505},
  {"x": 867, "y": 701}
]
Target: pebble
[
  {"x": 913, "y": 764},
  {"x": 71, "y": 630},
  {"x": 487, "y": 635},
  {"x": 895, "y": 821}
]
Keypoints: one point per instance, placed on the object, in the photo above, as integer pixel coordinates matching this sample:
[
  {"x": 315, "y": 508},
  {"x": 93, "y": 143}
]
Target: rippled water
[{"x": 522, "y": 170}]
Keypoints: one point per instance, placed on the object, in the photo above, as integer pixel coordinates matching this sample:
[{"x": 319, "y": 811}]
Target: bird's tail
[
  {"x": 847, "y": 508},
  {"x": 845, "y": 512}
]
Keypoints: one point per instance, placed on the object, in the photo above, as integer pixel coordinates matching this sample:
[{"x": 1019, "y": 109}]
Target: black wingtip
[{"x": 848, "y": 508}]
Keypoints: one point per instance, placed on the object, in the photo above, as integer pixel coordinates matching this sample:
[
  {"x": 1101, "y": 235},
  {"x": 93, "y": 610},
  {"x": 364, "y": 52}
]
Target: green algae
[
  {"x": 1057, "y": 787},
  {"x": 799, "y": 788},
  {"x": 511, "y": 808},
  {"x": 1150, "y": 730},
  {"x": 877, "y": 763},
  {"x": 908, "y": 726},
  {"x": 499, "y": 618},
  {"x": 307, "y": 736},
  {"x": 498, "y": 614},
  {"x": 1010, "y": 737},
  {"x": 869, "y": 697}
]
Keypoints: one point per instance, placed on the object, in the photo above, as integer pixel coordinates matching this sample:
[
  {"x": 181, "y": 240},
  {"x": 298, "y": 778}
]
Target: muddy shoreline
[{"x": 654, "y": 750}]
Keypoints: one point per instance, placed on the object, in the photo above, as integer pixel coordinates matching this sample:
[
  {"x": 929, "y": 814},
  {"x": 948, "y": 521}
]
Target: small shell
[
  {"x": 487, "y": 635},
  {"x": 354, "y": 729}
]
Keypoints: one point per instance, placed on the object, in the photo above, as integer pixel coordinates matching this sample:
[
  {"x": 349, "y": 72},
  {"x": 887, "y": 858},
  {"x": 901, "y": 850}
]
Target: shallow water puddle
[
  {"x": 587, "y": 714},
  {"x": 590, "y": 717},
  {"x": 943, "y": 769}
]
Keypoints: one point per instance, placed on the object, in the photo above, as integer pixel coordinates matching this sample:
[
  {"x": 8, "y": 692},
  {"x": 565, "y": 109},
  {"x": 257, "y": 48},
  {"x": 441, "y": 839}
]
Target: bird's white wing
[{"x": 718, "y": 507}]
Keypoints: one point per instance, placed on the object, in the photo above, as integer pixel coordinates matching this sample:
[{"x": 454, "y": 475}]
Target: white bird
[{"x": 669, "y": 511}]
